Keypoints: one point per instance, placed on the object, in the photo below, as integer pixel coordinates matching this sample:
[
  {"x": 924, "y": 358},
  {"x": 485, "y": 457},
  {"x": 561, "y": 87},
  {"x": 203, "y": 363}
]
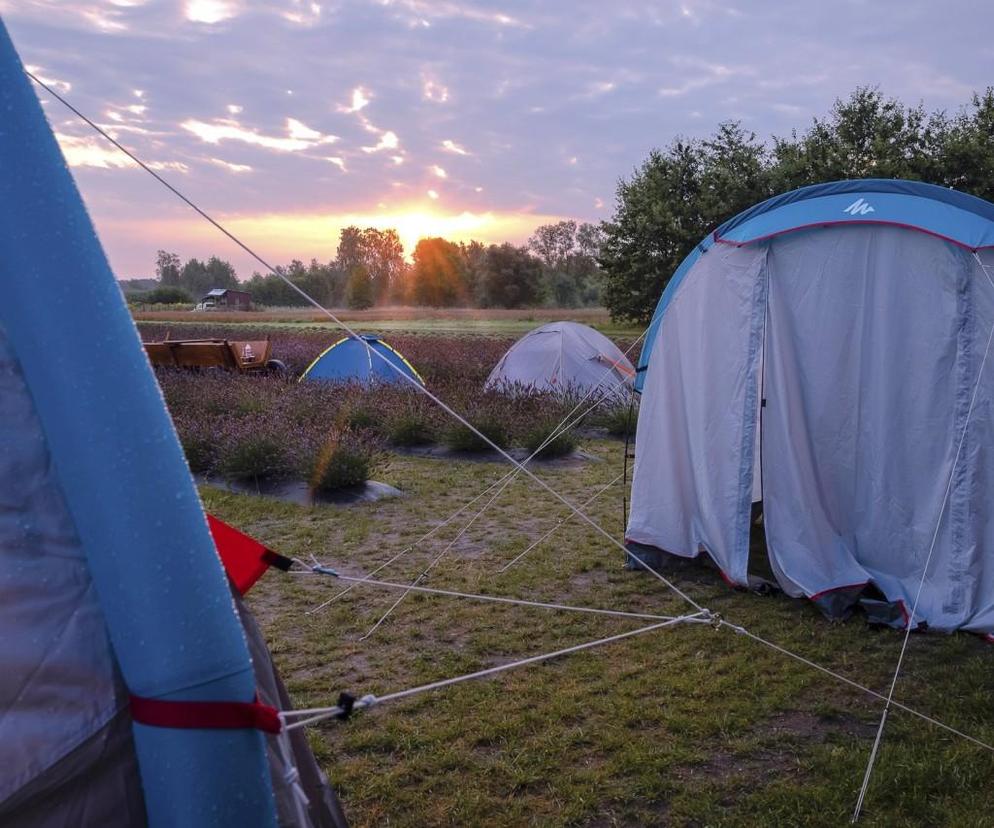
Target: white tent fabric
[
  {"x": 866, "y": 343},
  {"x": 563, "y": 356}
]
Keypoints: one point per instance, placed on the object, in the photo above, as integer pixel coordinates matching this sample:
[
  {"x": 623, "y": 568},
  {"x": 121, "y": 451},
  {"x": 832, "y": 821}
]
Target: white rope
[
  {"x": 839, "y": 677},
  {"x": 559, "y": 523},
  {"x": 509, "y": 478},
  {"x": 921, "y": 584},
  {"x": 497, "y": 599},
  {"x": 317, "y": 714},
  {"x": 404, "y": 377},
  {"x": 563, "y": 426}
]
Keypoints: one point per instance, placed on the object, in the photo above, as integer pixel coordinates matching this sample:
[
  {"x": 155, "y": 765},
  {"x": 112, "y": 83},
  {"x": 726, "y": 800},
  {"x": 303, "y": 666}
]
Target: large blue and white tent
[{"x": 826, "y": 352}]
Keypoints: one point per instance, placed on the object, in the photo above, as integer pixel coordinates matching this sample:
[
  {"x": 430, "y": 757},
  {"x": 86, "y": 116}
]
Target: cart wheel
[{"x": 277, "y": 366}]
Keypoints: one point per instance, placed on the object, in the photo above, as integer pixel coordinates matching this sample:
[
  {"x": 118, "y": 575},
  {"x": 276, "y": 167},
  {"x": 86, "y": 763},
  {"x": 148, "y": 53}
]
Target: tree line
[
  {"x": 559, "y": 266},
  {"x": 681, "y": 193},
  {"x": 668, "y": 204}
]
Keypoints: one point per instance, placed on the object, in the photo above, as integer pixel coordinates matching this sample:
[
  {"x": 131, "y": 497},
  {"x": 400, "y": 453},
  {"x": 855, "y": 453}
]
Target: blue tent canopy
[
  {"x": 354, "y": 359},
  {"x": 956, "y": 217}
]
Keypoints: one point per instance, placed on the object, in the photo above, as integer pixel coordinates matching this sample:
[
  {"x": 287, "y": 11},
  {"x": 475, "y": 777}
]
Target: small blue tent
[
  {"x": 827, "y": 352},
  {"x": 350, "y": 360}
]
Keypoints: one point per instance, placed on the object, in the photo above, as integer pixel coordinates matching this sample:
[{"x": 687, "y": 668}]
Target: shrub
[
  {"x": 411, "y": 428},
  {"x": 344, "y": 460},
  {"x": 361, "y": 417},
  {"x": 459, "y": 438},
  {"x": 255, "y": 454},
  {"x": 199, "y": 445},
  {"x": 615, "y": 418},
  {"x": 560, "y": 445}
]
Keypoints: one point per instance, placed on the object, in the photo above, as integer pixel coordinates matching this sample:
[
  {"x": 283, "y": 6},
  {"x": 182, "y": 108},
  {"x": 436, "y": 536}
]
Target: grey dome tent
[
  {"x": 827, "y": 352},
  {"x": 564, "y": 356}
]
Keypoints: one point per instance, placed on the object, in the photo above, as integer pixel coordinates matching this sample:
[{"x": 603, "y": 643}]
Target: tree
[
  {"x": 167, "y": 268},
  {"x": 165, "y": 295},
  {"x": 512, "y": 279},
  {"x": 569, "y": 252},
  {"x": 379, "y": 251},
  {"x": 359, "y": 292},
  {"x": 438, "y": 278},
  {"x": 966, "y": 148},
  {"x": 669, "y": 204},
  {"x": 865, "y": 136}
]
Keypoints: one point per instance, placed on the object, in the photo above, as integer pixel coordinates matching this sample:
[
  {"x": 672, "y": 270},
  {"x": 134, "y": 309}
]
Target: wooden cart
[{"x": 244, "y": 356}]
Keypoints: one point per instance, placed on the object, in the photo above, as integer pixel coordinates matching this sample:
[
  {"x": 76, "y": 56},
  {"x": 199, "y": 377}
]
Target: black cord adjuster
[{"x": 346, "y": 701}]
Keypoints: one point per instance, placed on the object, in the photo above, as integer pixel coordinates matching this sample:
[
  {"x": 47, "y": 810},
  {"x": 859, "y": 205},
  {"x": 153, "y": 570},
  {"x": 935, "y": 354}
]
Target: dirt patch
[
  {"x": 575, "y": 458},
  {"x": 781, "y": 758},
  {"x": 299, "y": 492}
]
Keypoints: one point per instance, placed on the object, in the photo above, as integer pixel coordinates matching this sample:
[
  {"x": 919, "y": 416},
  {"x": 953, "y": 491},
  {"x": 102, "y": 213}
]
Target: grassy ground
[
  {"x": 683, "y": 726},
  {"x": 387, "y": 320}
]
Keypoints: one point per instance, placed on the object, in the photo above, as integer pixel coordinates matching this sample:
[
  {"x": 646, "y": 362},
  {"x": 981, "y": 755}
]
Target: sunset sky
[{"x": 290, "y": 119}]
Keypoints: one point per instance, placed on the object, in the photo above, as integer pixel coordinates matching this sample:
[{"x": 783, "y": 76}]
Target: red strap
[{"x": 205, "y": 714}]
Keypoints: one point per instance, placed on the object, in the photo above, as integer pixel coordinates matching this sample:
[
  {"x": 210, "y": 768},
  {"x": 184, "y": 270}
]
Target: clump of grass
[
  {"x": 459, "y": 438},
  {"x": 201, "y": 449},
  {"x": 563, "y": 443},
  {"x": 255, "y": 453},
  {"x": 410, "y": 428},
  {"x": 346, "y": 459},
  {"x": 617, "y": 419},
  {"x": 360, "y": 417}
]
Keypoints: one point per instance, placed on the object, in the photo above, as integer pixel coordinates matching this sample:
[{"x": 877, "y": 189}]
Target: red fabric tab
[
  {"x": 244, "y": 558},
  {"x": 205, "y": 714}
]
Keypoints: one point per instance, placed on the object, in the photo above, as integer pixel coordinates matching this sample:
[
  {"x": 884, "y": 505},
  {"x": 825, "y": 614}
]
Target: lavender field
[{"x": 270, "y": 428}]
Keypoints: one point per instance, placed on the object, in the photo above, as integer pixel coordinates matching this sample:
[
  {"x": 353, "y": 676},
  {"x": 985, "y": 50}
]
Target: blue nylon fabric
[
  {"x": 962, "y": 218},
  {"x": 126, "y": 484},
  {"x": 350, "y": 361},
  {"x": 668, "y": 293}
]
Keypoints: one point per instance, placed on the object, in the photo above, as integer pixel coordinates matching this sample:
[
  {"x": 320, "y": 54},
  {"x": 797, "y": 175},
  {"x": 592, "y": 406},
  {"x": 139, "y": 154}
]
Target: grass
[
  {"x": 684, "y": 726},
  {"x": 393, "y": 320}
]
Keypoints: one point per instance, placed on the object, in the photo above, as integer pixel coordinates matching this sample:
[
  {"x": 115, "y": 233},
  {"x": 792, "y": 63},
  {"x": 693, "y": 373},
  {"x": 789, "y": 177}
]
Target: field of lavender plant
[{"x": 271, "y": 428}]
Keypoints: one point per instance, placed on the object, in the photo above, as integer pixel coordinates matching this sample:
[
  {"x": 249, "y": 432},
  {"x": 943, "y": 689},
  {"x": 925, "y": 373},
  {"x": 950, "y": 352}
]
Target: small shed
[{"x": 228, "y": 298}]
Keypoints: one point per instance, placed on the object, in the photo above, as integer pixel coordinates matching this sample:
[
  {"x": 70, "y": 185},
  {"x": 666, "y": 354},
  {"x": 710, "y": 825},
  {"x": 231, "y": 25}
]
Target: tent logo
[{"x": 858, "y": 208}]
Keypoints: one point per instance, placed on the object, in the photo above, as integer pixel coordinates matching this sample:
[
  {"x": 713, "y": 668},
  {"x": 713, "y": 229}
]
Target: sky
[{"x": 290, "y": 119}]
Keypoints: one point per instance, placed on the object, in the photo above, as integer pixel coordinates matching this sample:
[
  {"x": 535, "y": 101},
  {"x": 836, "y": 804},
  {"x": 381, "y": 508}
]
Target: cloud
[
  {"x": 91, "y": 151},
  {"x": 360, "y": 100},
  {"x": 209, "y": 11},
  {"x": 388, "y": 141},
  {"x": 299, "y": 136},
  {"x": 451, "y": 146},
  {"x": 437, "y": 171},
  {"x": 422, "y": 12},
  {"x": 434, "y": 91},
  {"x": 230, "y": 167},
  {"x": 56, "y": 84}
]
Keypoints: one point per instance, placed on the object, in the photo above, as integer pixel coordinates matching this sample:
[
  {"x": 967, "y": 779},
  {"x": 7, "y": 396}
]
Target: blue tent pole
[{"x": 158, "y": 578}]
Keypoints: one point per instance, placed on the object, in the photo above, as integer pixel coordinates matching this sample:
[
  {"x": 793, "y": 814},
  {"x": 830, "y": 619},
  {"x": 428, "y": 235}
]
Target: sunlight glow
[{"x": 286, "y": 236}]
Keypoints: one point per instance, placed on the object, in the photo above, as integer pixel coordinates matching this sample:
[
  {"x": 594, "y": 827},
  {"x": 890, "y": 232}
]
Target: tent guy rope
[
  {"x": 564, "y": 425},
  {"x": 462, "y": 420},
  {"x": 316, "y": 714}
]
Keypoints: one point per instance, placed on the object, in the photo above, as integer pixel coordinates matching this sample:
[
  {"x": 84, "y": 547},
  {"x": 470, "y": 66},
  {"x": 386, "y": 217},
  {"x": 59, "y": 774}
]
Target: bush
[
  {"x": 164, "y": 296},
  {"x": 254, "y": 455},
  {"x": 562, "y": 444},
  {"x": 344, "y": 460},
  {"x": 460, "y": 438},
  {"x": 200, "y": 445},
  {"x": 361, "y": 418},
  {"x": 616, "y": 420},
  {"x": 410, "y": 429}
]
